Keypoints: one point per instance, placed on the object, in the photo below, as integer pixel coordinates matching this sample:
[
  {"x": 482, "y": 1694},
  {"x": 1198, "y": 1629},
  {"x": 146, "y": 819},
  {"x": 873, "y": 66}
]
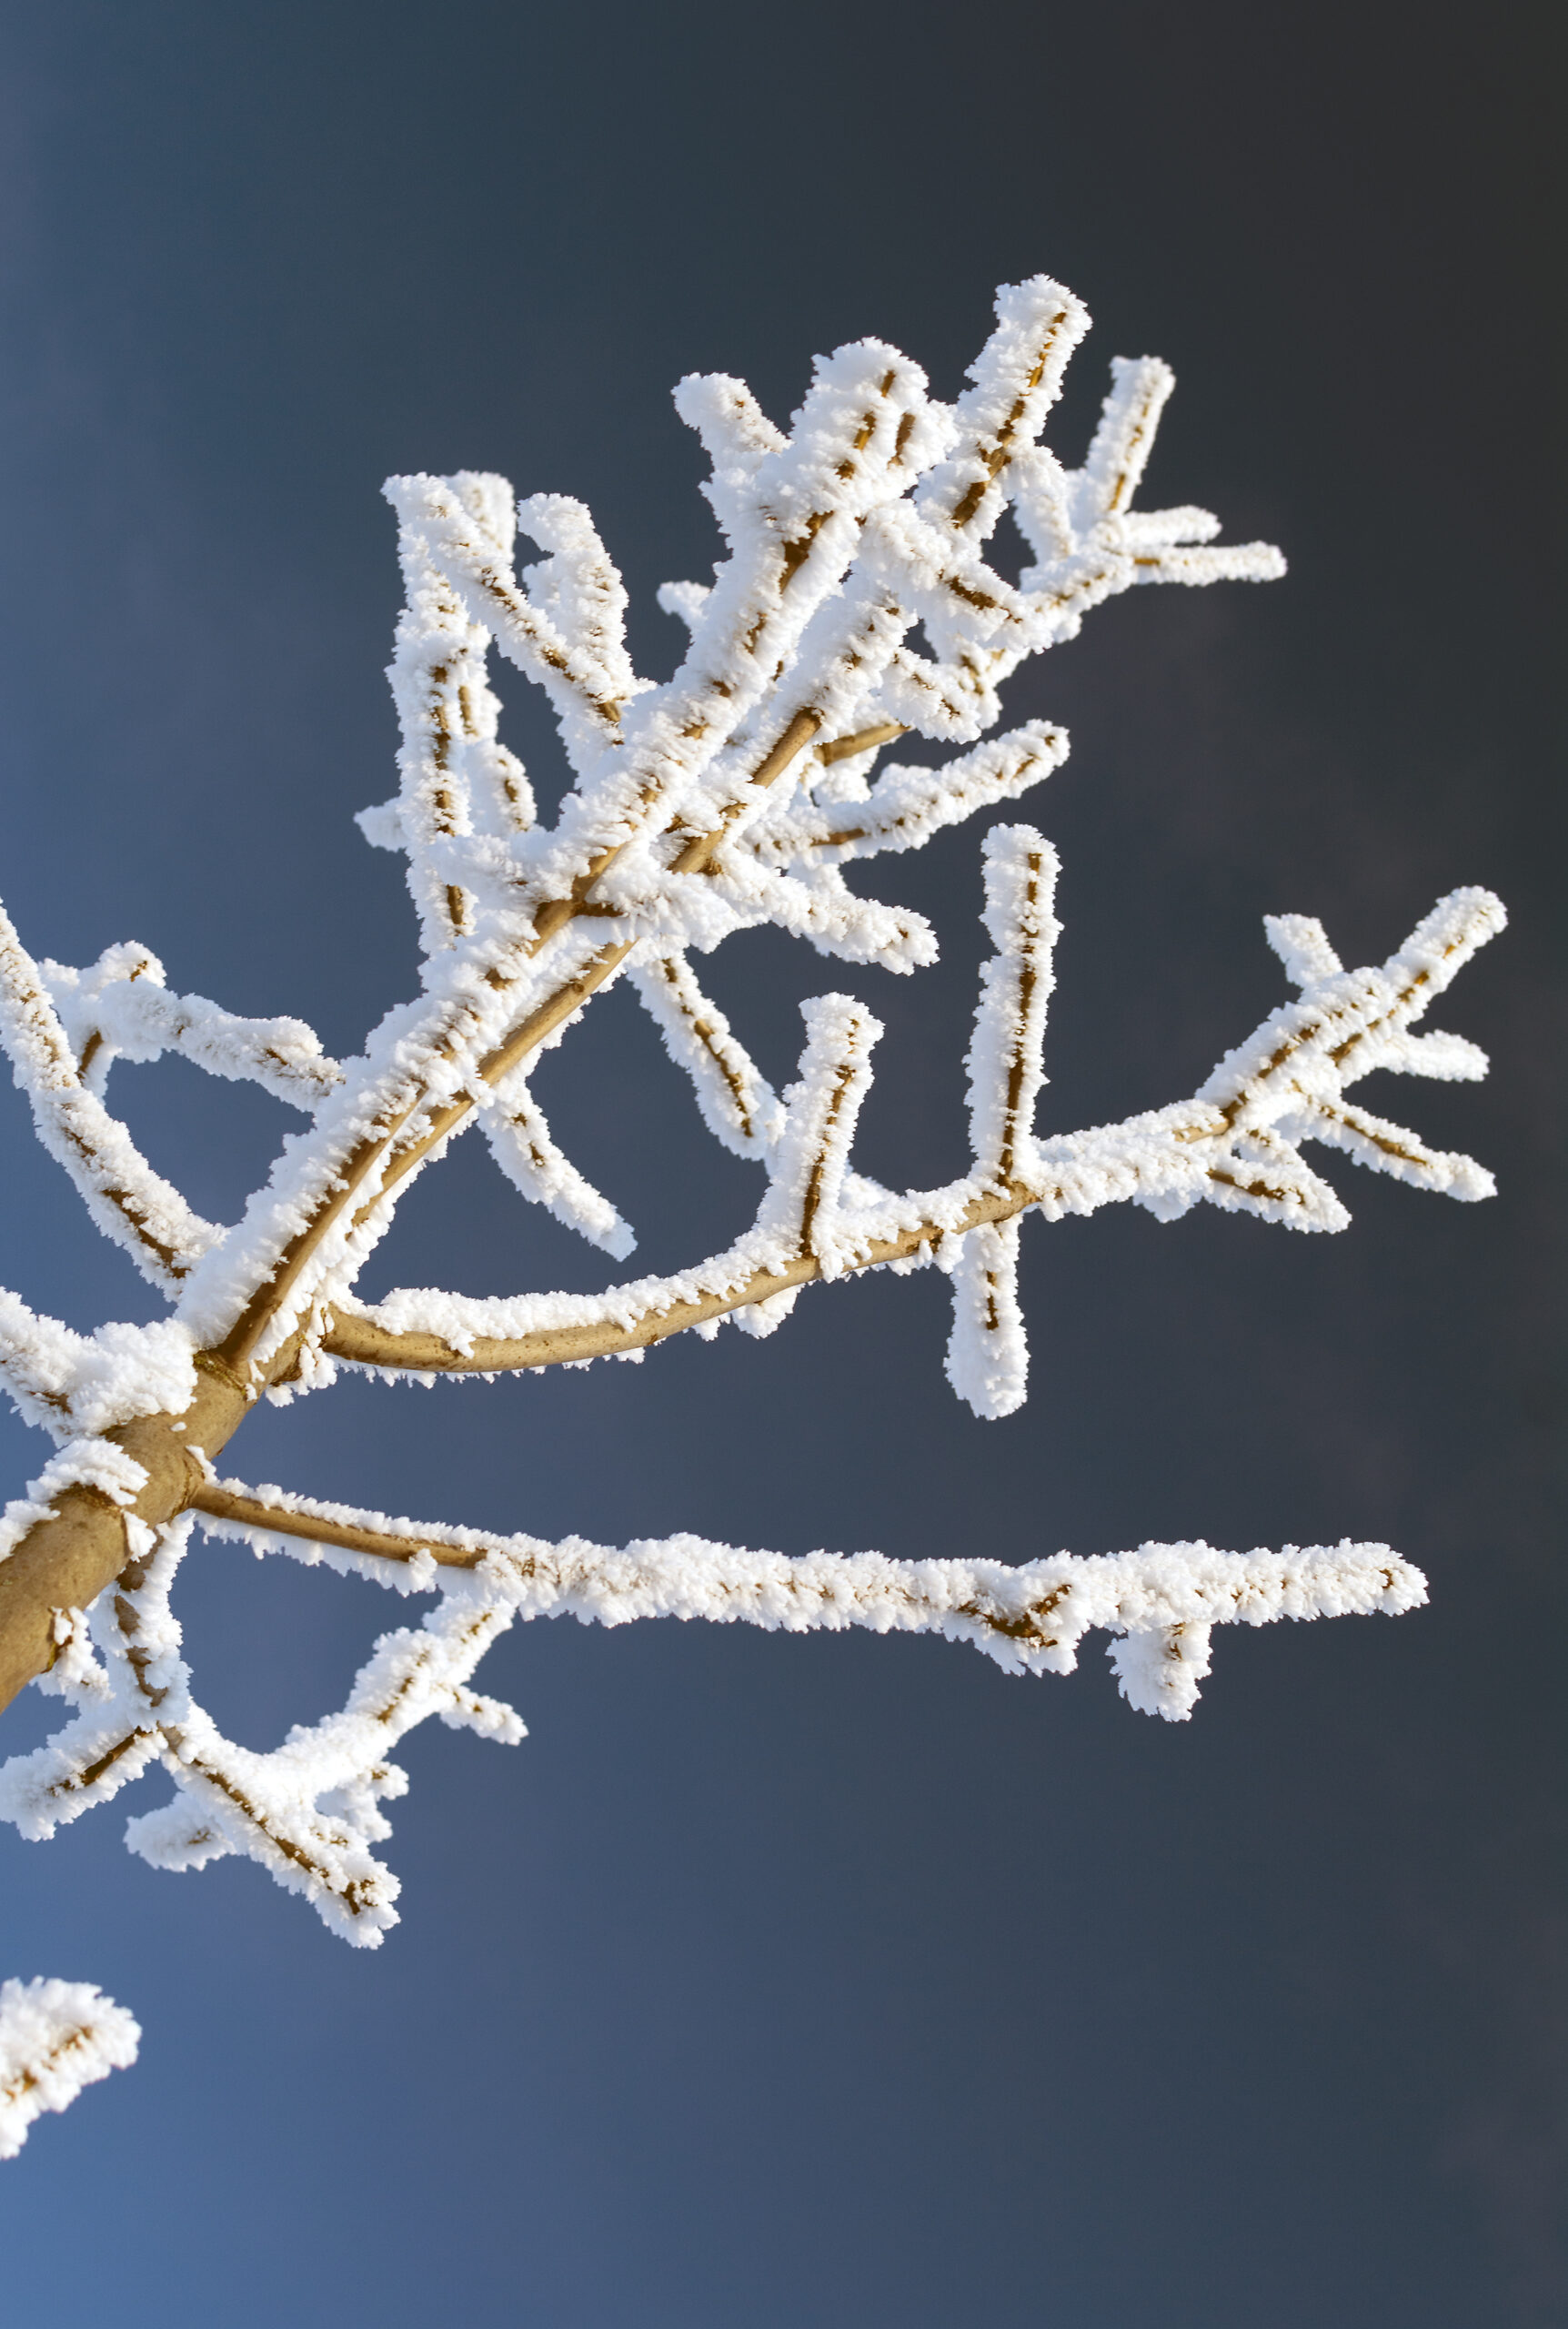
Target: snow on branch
[
  {"x": 988, "y": 1354},
  {"x": 1014, "y": 381},
  {"x": 803, "y": 1211},
  {"x": 1347, "y": 1024},
  {"x": 853, "y": 603}
]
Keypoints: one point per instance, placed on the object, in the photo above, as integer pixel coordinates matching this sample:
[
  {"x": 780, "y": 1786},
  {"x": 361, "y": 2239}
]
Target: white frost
[{"x": 55, "y": 2038}]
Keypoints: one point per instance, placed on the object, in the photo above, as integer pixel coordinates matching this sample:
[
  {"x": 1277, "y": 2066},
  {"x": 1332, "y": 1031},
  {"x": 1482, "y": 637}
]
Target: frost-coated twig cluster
[{"x": 741, "y": 792}]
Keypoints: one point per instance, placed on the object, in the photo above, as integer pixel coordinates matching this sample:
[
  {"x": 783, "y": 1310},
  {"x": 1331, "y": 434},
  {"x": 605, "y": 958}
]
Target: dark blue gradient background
[{"x": 837, "y": 1981}]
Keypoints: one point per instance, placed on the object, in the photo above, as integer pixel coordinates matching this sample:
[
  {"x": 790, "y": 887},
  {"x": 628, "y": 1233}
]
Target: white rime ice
[
  {"x": 55, "y": 2038},
  {"x": 743, "y": 791}
]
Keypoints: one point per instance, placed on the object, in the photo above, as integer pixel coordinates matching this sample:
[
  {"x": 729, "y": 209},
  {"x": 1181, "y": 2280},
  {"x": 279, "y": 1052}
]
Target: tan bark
[
  {"x": 65, "y": 1562},
  {"x": 845, "y": 747},
  {"x": 695, "y": 856},
  {"x": 227, "y": 1503},
  {"x": 368, "y": 1344}
]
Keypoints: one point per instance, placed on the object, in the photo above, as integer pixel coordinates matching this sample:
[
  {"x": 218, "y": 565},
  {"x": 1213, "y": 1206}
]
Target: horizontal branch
[
  {"x": 308, "y": 1812},
  {"x": 1225, "y": 1145},
  {"x": 1029, "y": 1618},
  {"x": 218, "y": 1501}
]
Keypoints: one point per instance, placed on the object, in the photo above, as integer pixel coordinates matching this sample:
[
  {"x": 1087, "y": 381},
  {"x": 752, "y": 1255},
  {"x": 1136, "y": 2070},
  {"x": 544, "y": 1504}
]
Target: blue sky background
[{"x": 841, "y": 1982}]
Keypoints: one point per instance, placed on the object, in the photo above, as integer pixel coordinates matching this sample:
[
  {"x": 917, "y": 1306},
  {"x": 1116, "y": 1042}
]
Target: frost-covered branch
[
  {"x": 853, "y": 604},
  {"x": 737, "y": 1104},
  {"x": 119, "y": 1008},
  {"x": 677, "y": 827},
  {"x": 309, "y": 1810},
  {"x": 1235, "y": 1143},
  {"x": 55, "y": 2038},
  {"x": 131, "y": 1204}
]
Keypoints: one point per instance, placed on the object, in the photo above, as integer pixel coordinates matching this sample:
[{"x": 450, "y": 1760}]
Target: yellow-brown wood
[{"x": 65, "y": 1561}]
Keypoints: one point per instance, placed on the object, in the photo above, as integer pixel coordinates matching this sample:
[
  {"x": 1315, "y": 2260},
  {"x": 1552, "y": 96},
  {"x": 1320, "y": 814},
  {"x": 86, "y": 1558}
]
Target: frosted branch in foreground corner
[{"x": 55, "y": 2038}]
